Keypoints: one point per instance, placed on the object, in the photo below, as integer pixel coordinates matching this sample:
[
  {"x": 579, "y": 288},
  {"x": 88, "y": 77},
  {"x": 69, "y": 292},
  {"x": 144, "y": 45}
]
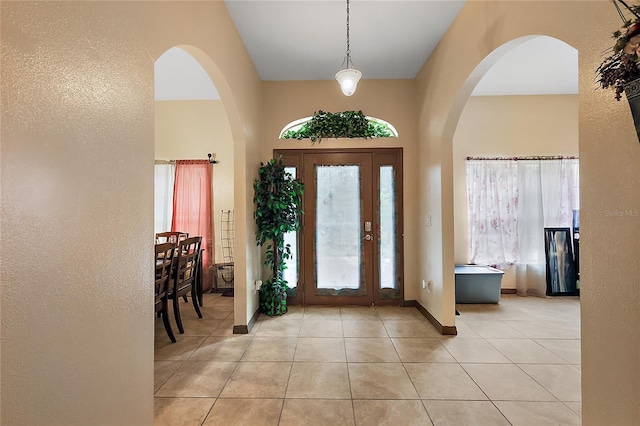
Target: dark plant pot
[{"x": 632, "y": 90}]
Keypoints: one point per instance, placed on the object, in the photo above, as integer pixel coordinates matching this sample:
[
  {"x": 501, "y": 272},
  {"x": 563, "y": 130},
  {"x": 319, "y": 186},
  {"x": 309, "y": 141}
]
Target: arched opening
[
  {"x": 533, "y": 112},
  {"x": 191, "y": 121}
]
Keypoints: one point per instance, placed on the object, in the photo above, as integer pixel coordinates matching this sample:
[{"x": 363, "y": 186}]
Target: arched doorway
[{"x": 191, "y": 123}]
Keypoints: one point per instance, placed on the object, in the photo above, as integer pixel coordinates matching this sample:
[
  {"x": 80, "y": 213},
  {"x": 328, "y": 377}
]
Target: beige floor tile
[
  {"x": 525, "y": 351},
  {"x": 224, "y": 329},
  {"x": 576, "y": 407},
  {"x": 216, "y": 312},
  {"x": 563, "y": 381},
  {"x": 358, "y": 313},
  {"x": 521, "y": 413},
  {"x": 547, "y": 329},
  {"x": 493, "y": 329},
  {"x": 221, "y": 348},
  {"x": 217, "y": 299},
  {"x": 270, "y": 327},
  {"x": 254, "y": 412},
  {"x": 391, "y": 413},
  {"x": 258, "y": 380},
  {"x": 398, "y": 313},
  {"x": 321, "y": 328},
  {"x": 320, "y": 349},
  {"x": 198, "y": 327},
  {"x": 322, "y": 312},
  {"x": 507, "y": 382},
  {"x": 197, "y": 379},
  {"x": 370, "y": 349},
  {"x": 463, "y": 331},
  {"x": 569, "y": 350},
  {"x": 317, "y": 412},
  {"x": 363, "y": 328},
  {"x": 410, "y": 328},
  {"x": 294, "y": 312},
  {"x": 181, "y": 411},
  {"x": 319, "y": 380},
  {"x": 380, "y": 390},
  {"x": 464, "y": 413},
  {"x": 271, "y": 349},
  {"x": 380, "y": 381},
  {"x": 421, "y": 350},
  {"x": 473, "y": 350},
  {"x": 443, "y": 381},
  {"x": 179, "y": 351},
  {"x": 162, "y": 370}
]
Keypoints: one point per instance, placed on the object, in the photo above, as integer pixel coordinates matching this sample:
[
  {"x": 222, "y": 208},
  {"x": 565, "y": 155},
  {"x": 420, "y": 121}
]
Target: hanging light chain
[
  {"x": 348, "y": 44},
  {"x": 349, "y": 64}
]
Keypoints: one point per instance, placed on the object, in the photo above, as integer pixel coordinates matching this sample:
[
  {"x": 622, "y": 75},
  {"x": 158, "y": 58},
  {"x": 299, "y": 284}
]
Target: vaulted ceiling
[{"x": 389, "y": 39}]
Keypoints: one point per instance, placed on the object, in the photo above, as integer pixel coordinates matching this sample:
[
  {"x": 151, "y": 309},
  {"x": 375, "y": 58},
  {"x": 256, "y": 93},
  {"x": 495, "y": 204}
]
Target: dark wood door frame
[{"x": 380, "y": 157}]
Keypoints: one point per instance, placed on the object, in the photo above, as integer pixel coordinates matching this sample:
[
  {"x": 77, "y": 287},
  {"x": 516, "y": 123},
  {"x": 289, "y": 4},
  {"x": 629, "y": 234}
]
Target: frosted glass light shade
[{"x": 348, "y": 80}]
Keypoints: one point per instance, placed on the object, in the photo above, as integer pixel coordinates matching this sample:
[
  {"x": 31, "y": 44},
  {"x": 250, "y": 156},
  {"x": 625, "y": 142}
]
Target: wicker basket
[{"x": 223, "y": 276}]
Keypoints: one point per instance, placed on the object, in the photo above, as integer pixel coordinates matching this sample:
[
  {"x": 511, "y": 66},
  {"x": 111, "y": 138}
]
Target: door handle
[{"x": 368, "y": 237}]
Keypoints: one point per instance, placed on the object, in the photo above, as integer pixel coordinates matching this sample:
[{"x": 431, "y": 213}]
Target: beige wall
[
  {"x": 495, "y": 126},
  {"x": 77, "y": 197},
  {"x": 78, "y": 105},
  {"x": 191, "y": 130},
  {"x": 609, "y": 157},
  {"x": 390, "y": 100}
]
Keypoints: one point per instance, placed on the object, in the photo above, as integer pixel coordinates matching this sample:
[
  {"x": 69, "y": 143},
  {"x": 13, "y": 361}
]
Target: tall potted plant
[{"x": 278, "y": 202}]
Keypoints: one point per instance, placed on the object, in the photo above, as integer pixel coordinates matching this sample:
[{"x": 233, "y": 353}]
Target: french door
[{"x": 349, "y": 249}]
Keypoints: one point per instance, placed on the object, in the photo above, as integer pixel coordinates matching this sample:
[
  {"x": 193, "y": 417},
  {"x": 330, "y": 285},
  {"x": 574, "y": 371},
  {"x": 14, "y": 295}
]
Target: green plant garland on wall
[{"x": 347, "y": 124}]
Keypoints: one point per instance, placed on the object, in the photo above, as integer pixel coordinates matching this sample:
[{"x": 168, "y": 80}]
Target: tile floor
[{"x": 516, "y": 363}]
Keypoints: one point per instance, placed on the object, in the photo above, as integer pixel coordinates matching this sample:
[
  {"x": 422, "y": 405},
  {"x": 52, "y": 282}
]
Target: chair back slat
[
  {"x": 165, "y": 253},
  {"x": 171, "y": 237},
  {"x": 186, "y": 264}
]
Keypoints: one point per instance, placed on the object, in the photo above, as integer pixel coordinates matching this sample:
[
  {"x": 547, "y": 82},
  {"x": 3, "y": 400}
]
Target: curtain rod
[
  {"x": 535, "y": 157},
  {"x": 212, "y": 160}
]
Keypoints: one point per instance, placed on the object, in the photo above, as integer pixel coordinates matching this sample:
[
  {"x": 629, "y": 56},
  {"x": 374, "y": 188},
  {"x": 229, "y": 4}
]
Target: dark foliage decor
[
  {"x": 621, "y": 66},
  {"x": 347, "y": 124},
  {"x": 278, "y": 201}
]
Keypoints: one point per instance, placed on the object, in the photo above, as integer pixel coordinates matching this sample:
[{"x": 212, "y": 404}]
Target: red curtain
[{"x": 192, "y": 206}]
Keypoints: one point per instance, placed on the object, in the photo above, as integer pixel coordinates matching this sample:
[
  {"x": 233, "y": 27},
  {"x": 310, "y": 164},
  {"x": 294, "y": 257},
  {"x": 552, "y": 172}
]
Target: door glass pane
[
  {"x": 338, "y": 228},
  {"x": 291, "y": 238},
  {"x": 387, "y": 229}
]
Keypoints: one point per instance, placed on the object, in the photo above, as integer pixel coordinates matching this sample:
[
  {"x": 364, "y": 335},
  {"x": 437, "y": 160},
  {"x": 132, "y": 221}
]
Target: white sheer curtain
[
  {"x": 163, "y": 196},
  {"x": 510, "y": 204},
  {"x": 548, "y": 195},
  {"x": 492, "y": 191}
]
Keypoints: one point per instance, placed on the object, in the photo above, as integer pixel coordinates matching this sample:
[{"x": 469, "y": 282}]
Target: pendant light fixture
[{"x": 348, "y": 76}]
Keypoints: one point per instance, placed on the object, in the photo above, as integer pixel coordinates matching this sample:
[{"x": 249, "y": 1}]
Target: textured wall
[
  {"x": 609, "y": 157},
  {"x": 77, "y": 198}
]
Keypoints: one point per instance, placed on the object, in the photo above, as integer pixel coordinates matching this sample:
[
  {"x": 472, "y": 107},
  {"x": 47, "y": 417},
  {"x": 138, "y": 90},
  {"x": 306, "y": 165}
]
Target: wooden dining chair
[
  {"x": 185, "y": 275},
  {"x": 164, "y": 261},
  {"x": 171, "y": 237}
]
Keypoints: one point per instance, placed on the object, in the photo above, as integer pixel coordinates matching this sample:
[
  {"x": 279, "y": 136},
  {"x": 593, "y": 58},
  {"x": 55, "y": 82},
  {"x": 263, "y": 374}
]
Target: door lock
[{"x": 367, "y": 226}]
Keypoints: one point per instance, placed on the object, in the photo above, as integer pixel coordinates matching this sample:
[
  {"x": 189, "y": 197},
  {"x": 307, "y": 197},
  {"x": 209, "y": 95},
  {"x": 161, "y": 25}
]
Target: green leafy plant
[
  {"x": 278, "y": 201},
  {"x": 347, "y": 124}
]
